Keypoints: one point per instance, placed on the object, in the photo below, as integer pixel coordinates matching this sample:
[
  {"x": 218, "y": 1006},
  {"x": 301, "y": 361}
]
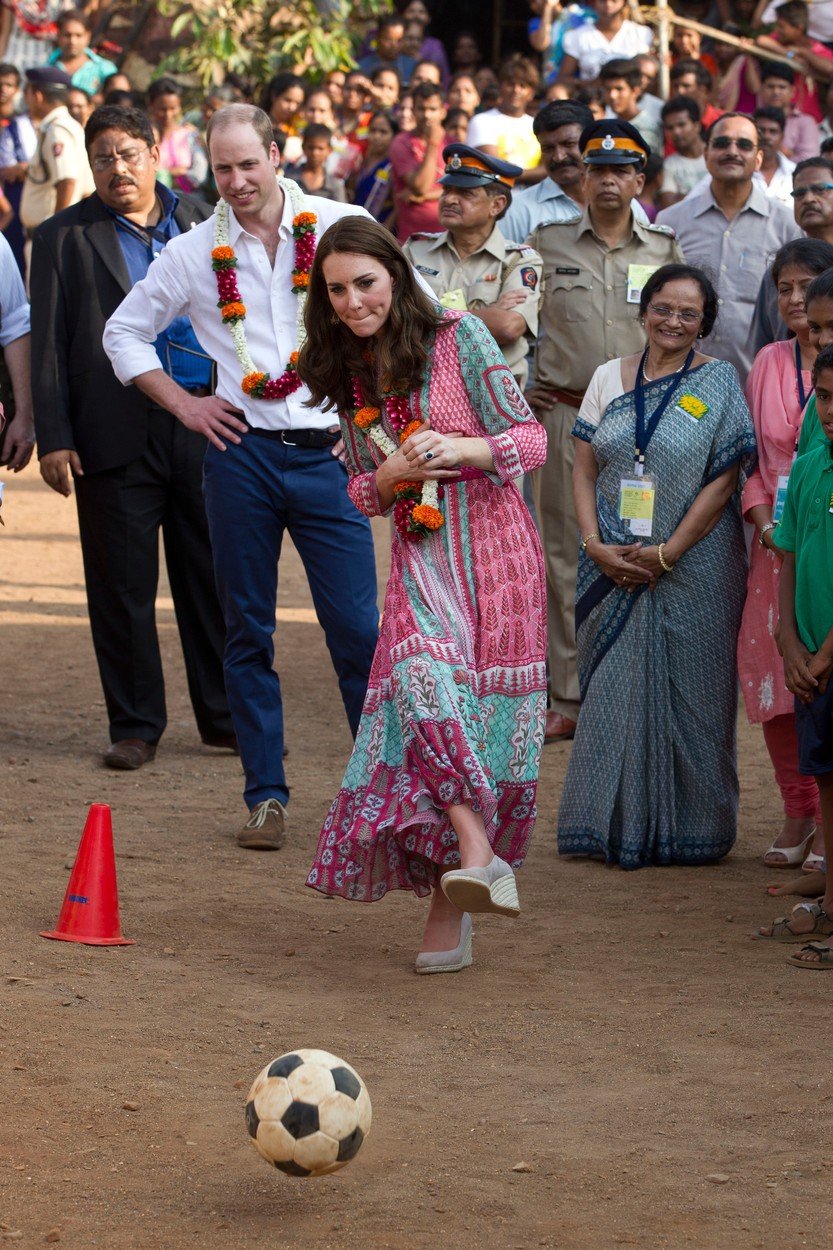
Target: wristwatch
[{"x": 764, "y": 530}]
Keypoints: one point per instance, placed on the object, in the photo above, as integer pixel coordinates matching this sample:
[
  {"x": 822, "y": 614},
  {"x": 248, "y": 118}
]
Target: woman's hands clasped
[
  {"x": 618, "y": 562},
  {"x": 431, "y": 456}
]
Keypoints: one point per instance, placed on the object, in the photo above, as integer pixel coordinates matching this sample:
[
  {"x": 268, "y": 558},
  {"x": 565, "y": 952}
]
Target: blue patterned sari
[{"x": 652, "y": 778}]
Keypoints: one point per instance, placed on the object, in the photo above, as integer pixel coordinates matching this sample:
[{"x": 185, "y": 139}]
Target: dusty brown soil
[{"x": 624, "y": 1038}]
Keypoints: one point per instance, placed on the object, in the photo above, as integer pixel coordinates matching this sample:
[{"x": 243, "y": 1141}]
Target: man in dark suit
[{"x": 136, "y": 468}]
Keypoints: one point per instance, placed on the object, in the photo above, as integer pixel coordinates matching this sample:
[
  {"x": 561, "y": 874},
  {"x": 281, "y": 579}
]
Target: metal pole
[{"x": 664, "y": 48}]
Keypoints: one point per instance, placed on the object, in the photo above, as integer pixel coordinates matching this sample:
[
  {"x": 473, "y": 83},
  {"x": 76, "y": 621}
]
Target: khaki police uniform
[
  {"x": 476, "y": 281},
  {"x": 60, "y": 155},
  {"x": 586, "y": 319}
]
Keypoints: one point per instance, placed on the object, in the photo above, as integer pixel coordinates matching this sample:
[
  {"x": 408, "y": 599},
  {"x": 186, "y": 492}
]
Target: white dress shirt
[{"x": 181, "y": 282}]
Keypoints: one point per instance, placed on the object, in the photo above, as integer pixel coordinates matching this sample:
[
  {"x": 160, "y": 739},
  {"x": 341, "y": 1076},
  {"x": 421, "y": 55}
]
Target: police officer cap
[
  {"x": 611, "y": 142},
  {"x": 469, "y": 167},
  {"x": 48, "y": 76}
]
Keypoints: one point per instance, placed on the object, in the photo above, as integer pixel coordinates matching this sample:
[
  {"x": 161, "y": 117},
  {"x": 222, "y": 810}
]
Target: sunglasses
[
  {"x": 722, "y": 142},
  {"x": 815, "y": 188}
]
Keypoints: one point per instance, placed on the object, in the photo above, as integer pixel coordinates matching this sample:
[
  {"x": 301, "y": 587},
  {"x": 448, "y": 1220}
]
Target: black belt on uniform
[{"x": 299, "y": 438}]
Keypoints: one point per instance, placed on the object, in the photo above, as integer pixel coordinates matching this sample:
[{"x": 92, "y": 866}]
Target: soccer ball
[{"x": 308, "y": 1113}]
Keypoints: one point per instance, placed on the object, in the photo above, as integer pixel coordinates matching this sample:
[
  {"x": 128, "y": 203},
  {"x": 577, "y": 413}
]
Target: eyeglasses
[
  {"x": 722, "y": 142},
  {"x": 131, "y": 156},
  {"x": 687, "y": 315},
  {"x": 815, "y": 188}
]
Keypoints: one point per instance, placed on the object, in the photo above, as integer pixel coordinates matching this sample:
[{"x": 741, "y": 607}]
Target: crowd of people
[{"x": 574, "y": 337}]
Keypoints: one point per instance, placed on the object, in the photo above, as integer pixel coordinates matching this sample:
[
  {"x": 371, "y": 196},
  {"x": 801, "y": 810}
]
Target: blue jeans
[{"x": 253, "y": 492}]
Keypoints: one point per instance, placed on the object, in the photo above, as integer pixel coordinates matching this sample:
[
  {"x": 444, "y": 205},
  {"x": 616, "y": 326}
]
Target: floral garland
[
  {"x": 416, "y": 511},
  {"x": 256, "y": 383}
]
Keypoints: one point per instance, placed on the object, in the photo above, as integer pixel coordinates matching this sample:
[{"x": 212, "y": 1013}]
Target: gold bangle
[
  {"x": 666, "y": 566},
  {"x": 589, "y": 539}
]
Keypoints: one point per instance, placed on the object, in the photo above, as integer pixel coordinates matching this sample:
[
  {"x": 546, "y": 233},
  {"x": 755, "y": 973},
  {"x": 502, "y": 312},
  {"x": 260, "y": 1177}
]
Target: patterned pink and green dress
[{"x": 456, "y": 700}]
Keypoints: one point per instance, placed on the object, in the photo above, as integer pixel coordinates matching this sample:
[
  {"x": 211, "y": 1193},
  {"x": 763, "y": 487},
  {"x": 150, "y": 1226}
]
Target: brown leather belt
[{"x": 573, "y": 399}]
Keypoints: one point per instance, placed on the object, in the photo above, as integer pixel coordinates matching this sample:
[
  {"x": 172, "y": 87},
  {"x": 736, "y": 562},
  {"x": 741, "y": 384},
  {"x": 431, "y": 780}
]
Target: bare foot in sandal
[
  {"x": 807, "y": 920},
  {"x": 816, "y": 955},
  {"x": 806, "y": 885},
  {"x": 792, "y": 843}
]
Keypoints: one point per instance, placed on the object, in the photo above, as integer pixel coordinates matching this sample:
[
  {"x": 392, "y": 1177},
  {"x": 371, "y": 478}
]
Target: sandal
[
  {"x": 793, "y": 855},
  {"x": 822, "y": 964},
  {"x": 781, "y": 931},
  {"x": 813, "y": 863}
]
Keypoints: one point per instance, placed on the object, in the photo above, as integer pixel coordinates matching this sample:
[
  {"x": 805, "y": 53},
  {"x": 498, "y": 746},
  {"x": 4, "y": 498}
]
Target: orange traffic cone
[{"x": 90, "y": 913}]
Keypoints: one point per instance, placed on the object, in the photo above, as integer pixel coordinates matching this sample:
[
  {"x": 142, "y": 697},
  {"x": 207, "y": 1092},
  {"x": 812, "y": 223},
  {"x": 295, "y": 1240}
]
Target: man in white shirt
[
  {"x": 776, "y": 170},
  {"x": 270, "y": 465},
  {"x": 507, "y": 131},
  {"x": 686, "y": 166}
]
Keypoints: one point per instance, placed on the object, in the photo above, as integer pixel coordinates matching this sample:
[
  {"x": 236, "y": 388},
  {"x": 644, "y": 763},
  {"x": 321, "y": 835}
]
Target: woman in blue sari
[{"x": 664, "y": 441}]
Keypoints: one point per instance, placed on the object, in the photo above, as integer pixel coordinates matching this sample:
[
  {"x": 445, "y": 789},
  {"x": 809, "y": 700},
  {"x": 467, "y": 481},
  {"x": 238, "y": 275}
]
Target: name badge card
[
  {"x": 637, "y": 496},
  {"x": 638, "y": 275},
  {"x": 780, "y": 497},
  {"x": 455, "y": 299}
]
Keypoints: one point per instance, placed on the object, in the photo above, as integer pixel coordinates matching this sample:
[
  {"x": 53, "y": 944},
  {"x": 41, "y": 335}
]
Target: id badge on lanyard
[{"x": 637, "y": 496}]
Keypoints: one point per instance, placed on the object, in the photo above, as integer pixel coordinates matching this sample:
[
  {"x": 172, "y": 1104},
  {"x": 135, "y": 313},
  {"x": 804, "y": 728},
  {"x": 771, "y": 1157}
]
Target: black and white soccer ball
[{"x": 308, "y": 1113}]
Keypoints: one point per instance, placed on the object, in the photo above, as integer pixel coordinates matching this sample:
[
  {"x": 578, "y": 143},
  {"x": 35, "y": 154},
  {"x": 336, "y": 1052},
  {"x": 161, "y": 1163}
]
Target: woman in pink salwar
[
  {"x": 439, "y": 794},
  {"x": 777, "y": 391}
]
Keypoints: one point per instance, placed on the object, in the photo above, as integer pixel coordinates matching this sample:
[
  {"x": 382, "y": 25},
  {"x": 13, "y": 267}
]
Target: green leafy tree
[{"x": 255, "y": 38}]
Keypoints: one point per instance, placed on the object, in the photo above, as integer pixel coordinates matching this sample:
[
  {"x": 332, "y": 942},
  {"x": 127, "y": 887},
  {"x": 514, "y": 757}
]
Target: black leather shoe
[{"x": 130, "y": 753}]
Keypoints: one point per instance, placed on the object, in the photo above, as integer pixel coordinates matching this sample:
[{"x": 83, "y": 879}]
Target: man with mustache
[
  {"x": 560, "y": 196},
  {"x": 472, "y": 265},
  {"x": 812, "y": 197},
  {"x": 136, "y": 468},
  {"x": 730, "y": 227}
]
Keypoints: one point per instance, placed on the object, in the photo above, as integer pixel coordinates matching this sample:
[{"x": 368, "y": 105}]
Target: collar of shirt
[
  {"x": 153, "y": 237},
  {"x": 548, "y": 190},
  {"x": 495, "y": 245},
  {"x": 585, "y": 225},
  {"x": 704, "y": 200},
  {"x": 236, "y": 229},
  {"x": 88, "y": 53},
  {"x": 59, "y": 113}
]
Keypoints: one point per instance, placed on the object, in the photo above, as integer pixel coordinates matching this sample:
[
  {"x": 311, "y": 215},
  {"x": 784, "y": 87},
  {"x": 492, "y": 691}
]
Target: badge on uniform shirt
[
  {"x": 455, "y": 299},
  {"x": 529, "y": 277},
  {"x": 489, "y": 277},
  {"x": 566, "y": 269},
  {"x": 432, "y": 273},
  {"x": 57, "y": 149},
  {"x": 638, "y": 275}
]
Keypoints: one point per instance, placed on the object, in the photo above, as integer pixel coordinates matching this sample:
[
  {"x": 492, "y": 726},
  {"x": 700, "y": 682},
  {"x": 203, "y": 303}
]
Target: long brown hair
[{"x": 332, "y": 354}]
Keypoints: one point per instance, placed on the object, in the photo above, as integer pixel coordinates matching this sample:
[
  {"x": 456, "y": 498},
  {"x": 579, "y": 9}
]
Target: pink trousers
[{"x": 800, "y": 794}]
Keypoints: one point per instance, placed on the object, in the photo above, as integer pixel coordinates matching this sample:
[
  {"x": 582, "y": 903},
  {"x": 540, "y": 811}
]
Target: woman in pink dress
[
  {"x": 777, "y": 391},
  {"x": 440, "y": 789}
]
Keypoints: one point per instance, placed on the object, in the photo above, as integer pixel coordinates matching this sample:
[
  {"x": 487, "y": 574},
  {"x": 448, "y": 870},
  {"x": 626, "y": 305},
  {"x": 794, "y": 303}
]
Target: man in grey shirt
[{"x": 731, "y": 229}]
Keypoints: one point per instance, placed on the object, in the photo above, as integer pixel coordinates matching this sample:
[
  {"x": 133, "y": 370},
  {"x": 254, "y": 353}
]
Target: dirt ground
[{"x": 624, "y": 1038}]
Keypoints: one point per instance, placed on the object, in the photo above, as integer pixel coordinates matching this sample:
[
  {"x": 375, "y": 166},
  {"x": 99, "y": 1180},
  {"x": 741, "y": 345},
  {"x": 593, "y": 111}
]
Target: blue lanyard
[
  {"x": 644, "y": 433},
  {"x": 799, "y": 381}
]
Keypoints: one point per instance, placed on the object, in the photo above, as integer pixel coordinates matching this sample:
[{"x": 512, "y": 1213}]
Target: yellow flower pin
[{"x": 693, "y": 406}]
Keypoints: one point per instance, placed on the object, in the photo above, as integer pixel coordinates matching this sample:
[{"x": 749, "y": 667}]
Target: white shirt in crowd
[
  {"x": 181, "y": 282},
  {"x": 592, "y": 50},
  {"x": 781, "y": 183},
  {"x": 681, "y": 174},
  {"x": 512, "y": 137}
]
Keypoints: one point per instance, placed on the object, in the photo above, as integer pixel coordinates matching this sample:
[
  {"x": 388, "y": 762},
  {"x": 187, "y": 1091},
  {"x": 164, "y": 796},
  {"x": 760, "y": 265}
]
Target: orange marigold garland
[{"x": 416, "y": 509}]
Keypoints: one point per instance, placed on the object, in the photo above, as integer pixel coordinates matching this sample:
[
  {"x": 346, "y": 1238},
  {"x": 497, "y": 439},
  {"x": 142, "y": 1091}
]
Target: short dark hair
[
  {"x": 7, "y": 70},
  {"x": 814, "y": 162},
  {"x": 277, "y": 85},
  {"x": 380, "y": 69},
  {"x": 519, "y": 68},
  {"x": 427, "y": 91},
  {"x": 681, "y": 104},
  {"x": 794, "y": 12},
  {"x": 316, "y": 130},
  {"x": 671, "y": 273},
  {"x": 812, "y": 254},
  {"x": 824, "y": 360},
  {"x": 725, "y": 117},
  {"x": 130, "y": 121},
  {"x": 496, "y": 188},
  {"x": 769, "y": 113},
  {"x": 820, "y": 288},
  {"x": 389, "y": 118},
  {"x": 453, "y": 116},
  {"x": 73, "y": 15},
  {"x": 689, "y": 66},
  {"x": 119, "y": 99},
  {"x": 163, "y": 86},
  {"x": 621, "y": 67},
  {"x": 774, "y": 69},
  {"x": 390, "y": 19},
  {"x": 561, "y": 113},
  {"x": 826, "y": 148}
]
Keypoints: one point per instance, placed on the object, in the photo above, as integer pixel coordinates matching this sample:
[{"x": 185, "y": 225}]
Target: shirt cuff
[{"x": 129, "y": 363}]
